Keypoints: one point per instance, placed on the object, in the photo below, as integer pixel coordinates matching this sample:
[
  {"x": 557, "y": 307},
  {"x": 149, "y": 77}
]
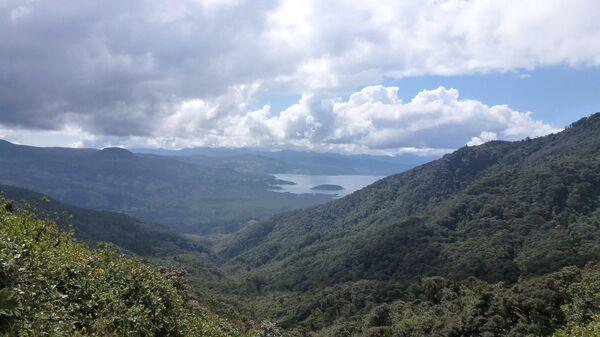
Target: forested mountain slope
[
  {"x": 498, "y": 211},
  {"x": 183, "y": 196},
  {"x": 103, "y": 226}
]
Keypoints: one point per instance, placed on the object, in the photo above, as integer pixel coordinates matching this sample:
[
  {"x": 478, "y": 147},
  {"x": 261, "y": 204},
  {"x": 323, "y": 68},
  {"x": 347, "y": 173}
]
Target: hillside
[
  {"x": 499, "y": 212},
  {"x": 51, "y": 285},
  {"x": 182, "y": 196},
  {"x": 103, "y": 226},
  {"x": 155, "y": 244}
]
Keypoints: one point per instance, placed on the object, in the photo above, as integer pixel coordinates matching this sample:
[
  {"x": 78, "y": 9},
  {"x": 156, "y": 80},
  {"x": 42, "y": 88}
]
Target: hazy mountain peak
[
  {"x": 114, "y": 153},
  {"x": 6, "y": 144}
]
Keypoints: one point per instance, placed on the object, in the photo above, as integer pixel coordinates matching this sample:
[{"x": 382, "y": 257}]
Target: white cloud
[
  {"x": 484, "y": 137},
  {"x": 187, "y": 72},
  {"x": 342, "y": 42},
  {"x": 372, "y": 120}
]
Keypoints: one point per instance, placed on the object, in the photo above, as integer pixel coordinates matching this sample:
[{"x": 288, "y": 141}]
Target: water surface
[{"x": 304, "y": 183}]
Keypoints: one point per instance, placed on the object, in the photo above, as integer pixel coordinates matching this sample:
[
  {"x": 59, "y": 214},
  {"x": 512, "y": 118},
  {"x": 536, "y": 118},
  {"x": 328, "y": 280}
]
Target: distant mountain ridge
[
  {"x": 194, "y": 194},
  {"x": 188, "y": 197},
  {"x": 298, "y": 162}
]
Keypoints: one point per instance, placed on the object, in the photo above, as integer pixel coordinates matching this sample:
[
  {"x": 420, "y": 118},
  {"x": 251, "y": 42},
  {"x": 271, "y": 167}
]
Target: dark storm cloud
[{"x": 117, "y": 65}]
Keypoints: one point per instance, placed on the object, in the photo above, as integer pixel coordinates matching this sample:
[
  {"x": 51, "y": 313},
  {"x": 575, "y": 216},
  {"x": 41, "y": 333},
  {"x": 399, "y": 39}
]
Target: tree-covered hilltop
[
  {"x": 52, "y": 285},
  {"x": 501, "y": 212}
]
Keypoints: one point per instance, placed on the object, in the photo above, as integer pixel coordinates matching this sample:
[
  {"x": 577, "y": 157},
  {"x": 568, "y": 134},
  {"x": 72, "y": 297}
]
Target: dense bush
[
  {"x": 51, "y": 285},
  {"x": 564, "y": 303}
]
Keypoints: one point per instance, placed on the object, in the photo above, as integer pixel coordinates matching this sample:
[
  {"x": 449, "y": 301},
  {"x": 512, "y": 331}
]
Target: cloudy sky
[{"x": 346, "y": 76}]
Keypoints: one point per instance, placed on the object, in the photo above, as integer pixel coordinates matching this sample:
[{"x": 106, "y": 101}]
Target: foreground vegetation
[{"x": 52, "y": 285}]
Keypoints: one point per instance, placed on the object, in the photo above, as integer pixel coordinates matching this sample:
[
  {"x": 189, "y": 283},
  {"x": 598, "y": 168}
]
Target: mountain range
[
  {"x": 182, "y": 196},
  {"x": 297, "y": 162},
  {"x": 500, "y": 239},
  {"x": 186, "y": 193}
]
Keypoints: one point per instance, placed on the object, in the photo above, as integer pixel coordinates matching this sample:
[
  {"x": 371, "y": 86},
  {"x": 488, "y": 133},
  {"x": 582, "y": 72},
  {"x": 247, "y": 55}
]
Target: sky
[{"x": 379, "y": 77}]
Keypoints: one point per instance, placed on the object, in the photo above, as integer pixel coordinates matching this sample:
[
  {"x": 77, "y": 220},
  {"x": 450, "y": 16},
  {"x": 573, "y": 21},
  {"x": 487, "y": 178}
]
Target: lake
[{"x": 304, "y": 183}]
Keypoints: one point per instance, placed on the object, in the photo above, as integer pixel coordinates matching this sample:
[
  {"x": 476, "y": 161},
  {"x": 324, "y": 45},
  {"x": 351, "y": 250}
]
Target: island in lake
[
  {"x": 327, "y": 187},
  {"x": 284, "y": 182}
]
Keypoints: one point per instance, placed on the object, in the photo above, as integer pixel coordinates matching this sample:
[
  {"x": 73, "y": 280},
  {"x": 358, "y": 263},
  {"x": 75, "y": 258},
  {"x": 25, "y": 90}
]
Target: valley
[
  {"x": 499, "y": 224},
  {"x": 213, "y": 196},
  {"x": 299, "y": 168}
]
